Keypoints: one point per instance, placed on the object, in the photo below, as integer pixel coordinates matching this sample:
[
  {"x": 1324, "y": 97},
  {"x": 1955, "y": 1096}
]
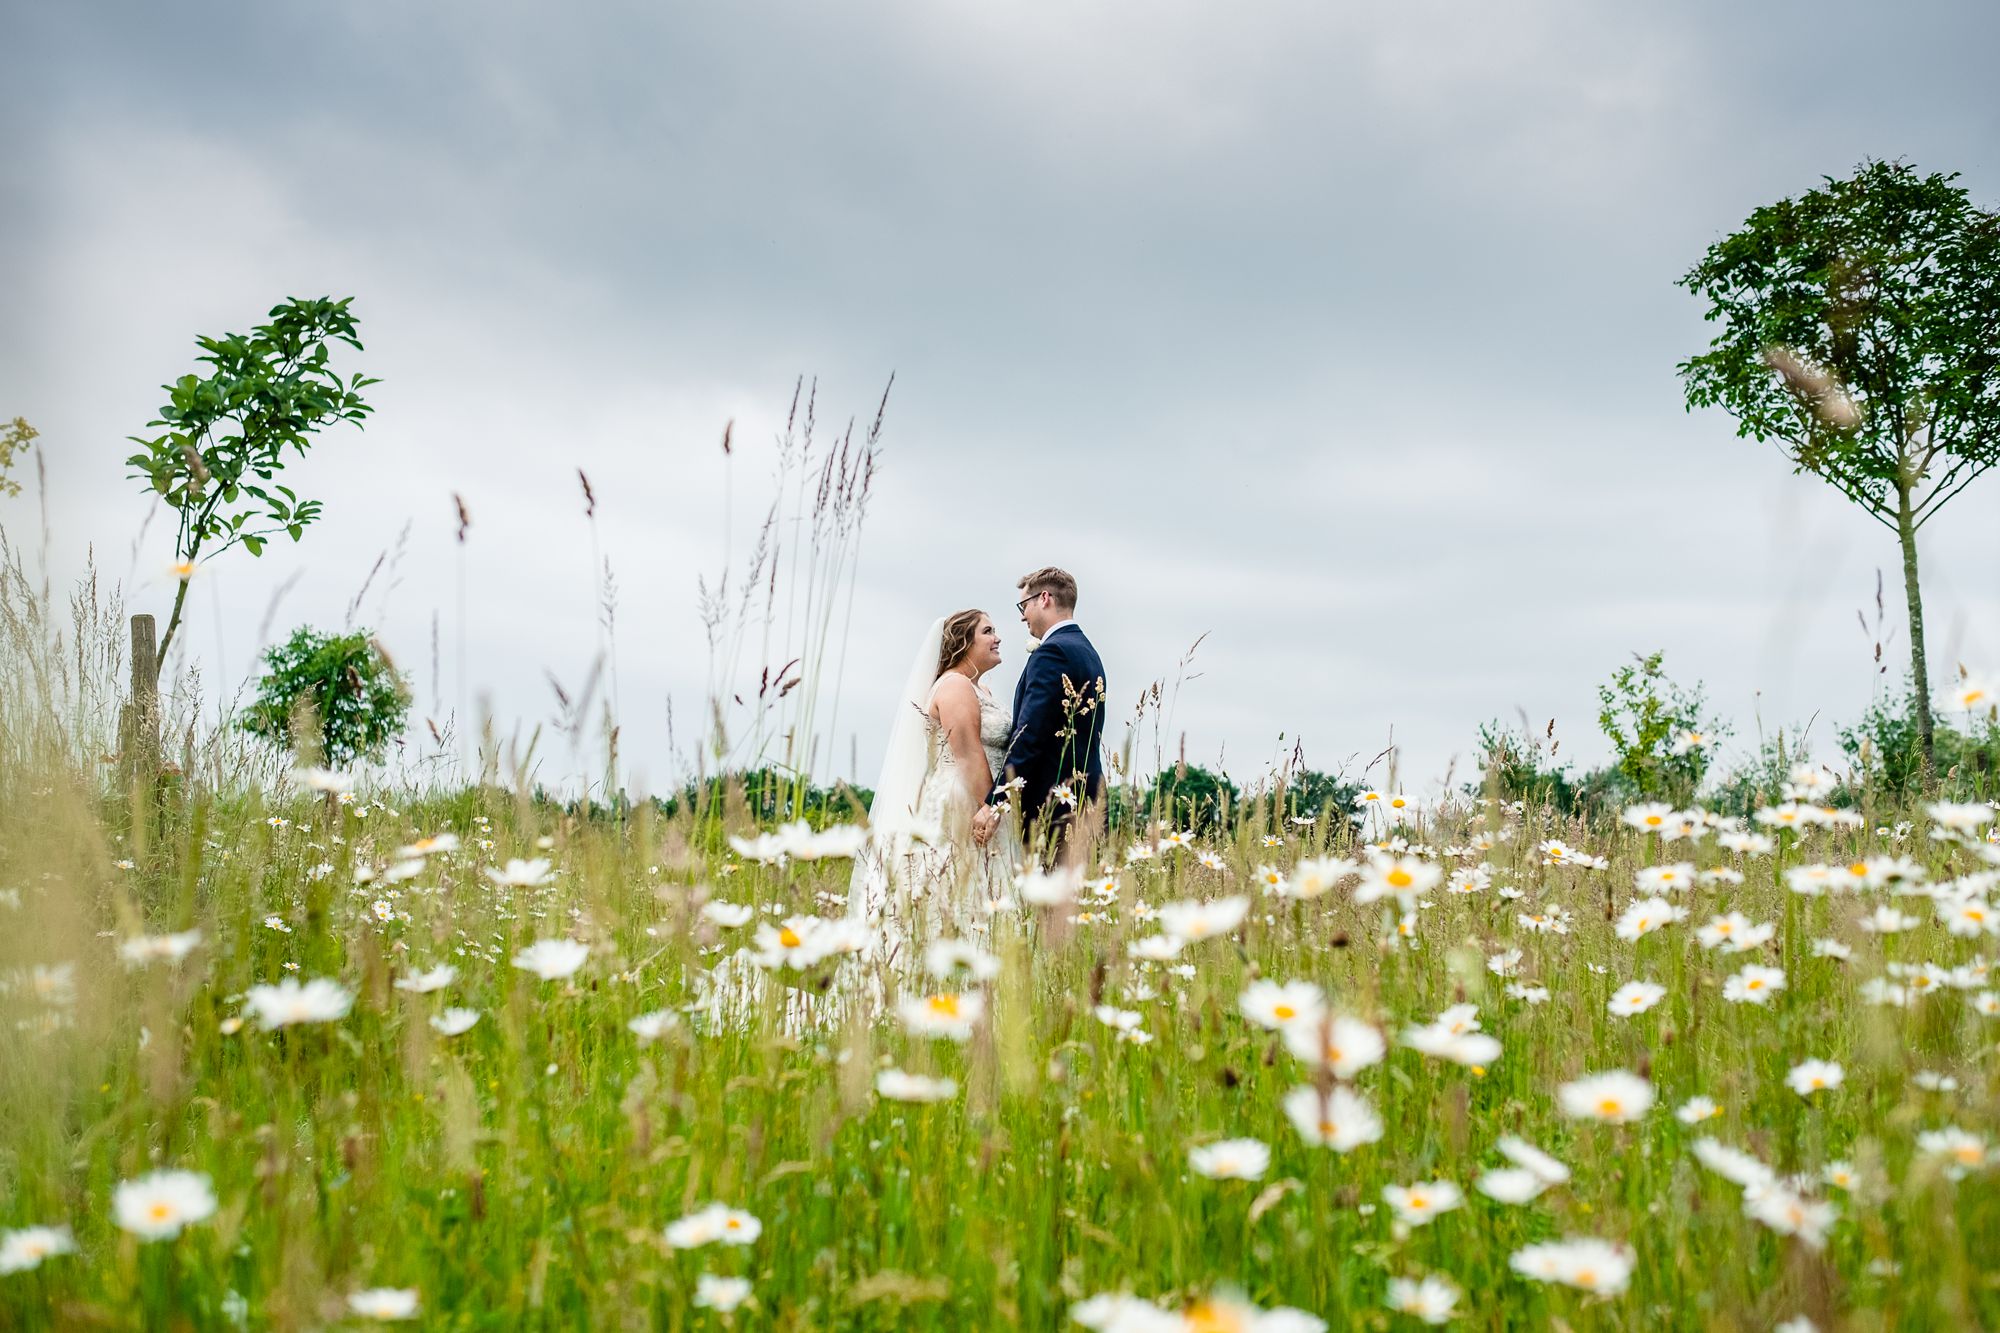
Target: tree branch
[{"x": 1937, "y": 498}]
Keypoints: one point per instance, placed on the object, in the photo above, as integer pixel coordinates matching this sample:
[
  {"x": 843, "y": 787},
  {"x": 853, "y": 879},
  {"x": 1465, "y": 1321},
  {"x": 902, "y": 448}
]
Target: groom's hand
[{"x": 984, "y": 821}]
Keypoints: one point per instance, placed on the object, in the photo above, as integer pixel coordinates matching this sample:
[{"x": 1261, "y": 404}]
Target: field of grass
[{"x": 530, "y": 1171}]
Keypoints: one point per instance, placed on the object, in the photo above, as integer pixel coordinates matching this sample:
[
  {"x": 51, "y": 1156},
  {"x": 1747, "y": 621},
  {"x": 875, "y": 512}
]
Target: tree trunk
[
  {"x": 1906, "y": 530},
  {"x": 173, "y": 620}
]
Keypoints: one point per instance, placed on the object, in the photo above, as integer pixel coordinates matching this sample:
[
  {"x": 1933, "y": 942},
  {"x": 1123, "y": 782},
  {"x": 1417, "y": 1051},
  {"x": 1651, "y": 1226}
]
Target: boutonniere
[{"x": 1033, "y": 643}]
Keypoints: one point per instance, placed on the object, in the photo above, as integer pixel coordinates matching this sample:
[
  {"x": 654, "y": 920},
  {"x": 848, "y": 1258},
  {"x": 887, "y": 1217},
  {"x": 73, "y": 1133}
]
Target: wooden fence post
[{"x": 141, "y": 739}]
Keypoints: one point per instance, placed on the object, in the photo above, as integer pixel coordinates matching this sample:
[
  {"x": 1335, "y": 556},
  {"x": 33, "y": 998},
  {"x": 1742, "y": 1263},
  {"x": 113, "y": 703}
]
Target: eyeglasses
[{"x": 1021, "y": 607}]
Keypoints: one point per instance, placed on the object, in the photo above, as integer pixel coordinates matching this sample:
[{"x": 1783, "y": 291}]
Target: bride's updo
[{"x": 957, "y": 642}]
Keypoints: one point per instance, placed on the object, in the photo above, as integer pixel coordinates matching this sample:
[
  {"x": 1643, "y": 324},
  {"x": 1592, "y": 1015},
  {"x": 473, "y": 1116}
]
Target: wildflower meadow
[
  {"x": 333, "y": 1052},
  {"x": 320, "y": 1012}
]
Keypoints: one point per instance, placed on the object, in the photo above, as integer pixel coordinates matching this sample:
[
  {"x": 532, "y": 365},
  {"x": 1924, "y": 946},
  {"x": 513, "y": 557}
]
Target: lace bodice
[{"x": 996, "y": 726}]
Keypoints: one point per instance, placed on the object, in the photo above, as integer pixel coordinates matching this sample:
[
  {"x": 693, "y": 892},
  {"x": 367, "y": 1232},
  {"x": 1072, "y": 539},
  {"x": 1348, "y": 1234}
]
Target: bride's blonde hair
[{"x": 958, "y": 634}]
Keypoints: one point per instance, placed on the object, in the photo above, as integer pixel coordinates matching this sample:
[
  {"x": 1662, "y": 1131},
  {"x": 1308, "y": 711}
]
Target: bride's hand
[{"x": 984, "y": 821}]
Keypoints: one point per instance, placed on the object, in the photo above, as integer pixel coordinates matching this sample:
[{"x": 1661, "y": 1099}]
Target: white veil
[{"x": 905, "y": 761}]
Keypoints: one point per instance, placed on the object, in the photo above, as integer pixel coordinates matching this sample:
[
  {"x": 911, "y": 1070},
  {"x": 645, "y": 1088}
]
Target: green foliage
[
  {"x": 339, "y": 693},
  {"x": 225, "y": 434},
  {"x": 1323, "y": 796},
  {"x": 1269, "y": 806},
  {"x": 1759, "y": 781},
  {"x": 1858, "y": 333},
  {"x": 731, "y": 802},
  {"x": 1517, "y": 765},
  {"x": 1189, "y": 796},
  {"x": 1885, "y": 290},
  {"x": 16, "y": 437},
  {"x": 1885, "y": 746},
  {"x": 1658, "y": 731}
]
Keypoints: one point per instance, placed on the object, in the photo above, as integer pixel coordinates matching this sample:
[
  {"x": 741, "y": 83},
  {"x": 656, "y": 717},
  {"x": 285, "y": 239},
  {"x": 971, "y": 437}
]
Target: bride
[{"x": 946, "y": 745}]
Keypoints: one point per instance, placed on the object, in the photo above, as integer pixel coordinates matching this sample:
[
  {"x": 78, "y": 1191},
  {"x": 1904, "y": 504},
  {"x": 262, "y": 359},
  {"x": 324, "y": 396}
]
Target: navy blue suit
[{"x": 1041, "y": 754}]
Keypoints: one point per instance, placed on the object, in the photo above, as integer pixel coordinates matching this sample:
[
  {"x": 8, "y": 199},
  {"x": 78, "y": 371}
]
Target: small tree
[
  {"x": 1658, "y": 730},
  {"x": 338, "y": 691},
  {"x": 1861, "y": 332},
  {"x": 226, "y": 434}
]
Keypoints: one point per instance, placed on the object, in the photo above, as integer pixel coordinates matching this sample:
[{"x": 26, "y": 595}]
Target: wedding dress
[
  {"x": 962, "y": 881},
  {"x": 923, "y": 877},
  {"x": 920, "y": 877}
]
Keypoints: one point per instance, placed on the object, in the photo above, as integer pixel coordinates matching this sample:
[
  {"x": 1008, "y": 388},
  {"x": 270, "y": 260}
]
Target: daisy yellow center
[
  {"x": 1586, "y": 1277},
  {"x": 1416, "y": 1203},
  {"x": 1327, "y": 1129},
  {"x": 1755, "y": 983},
  {"x": 160, "y": 1211},
  {"x": 945, "y": 1005},
  {"x": 1285, "y": 1011},
  {"x": 1610, "y": 1106},
  {"x": 789, "y": 938},
  {"x": 1655, "y": 820},
  {"x": 1401, "y": 878},
  {"x": 733, "y": 1224},
  {"x": 1208, "y": 1318},
  {"x": 1858, "y": 869},
  {"x": 1967, "y": 1153}
]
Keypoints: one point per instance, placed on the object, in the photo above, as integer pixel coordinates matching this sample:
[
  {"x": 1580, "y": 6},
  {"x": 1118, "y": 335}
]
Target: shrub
[
  {"x": 1192, "y": 797},
  {"x": 1659, "y": 731},
  {"x": 1517, "y": 765},
  {"x": 1886, "y": 747},
  {"x": 329, "y": 698}
]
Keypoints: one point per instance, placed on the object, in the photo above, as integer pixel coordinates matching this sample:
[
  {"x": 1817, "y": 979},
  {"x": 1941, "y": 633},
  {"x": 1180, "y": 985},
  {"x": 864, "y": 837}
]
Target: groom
[{"x": 1058, "y": 718}]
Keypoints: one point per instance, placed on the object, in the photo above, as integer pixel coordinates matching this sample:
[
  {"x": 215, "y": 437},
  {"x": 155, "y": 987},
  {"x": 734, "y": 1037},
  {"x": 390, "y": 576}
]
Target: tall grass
[{"x": 523, "y": 1173}]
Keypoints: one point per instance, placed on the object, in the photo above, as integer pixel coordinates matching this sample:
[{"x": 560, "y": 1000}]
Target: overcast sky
[{"x": 1341, "y": 333}]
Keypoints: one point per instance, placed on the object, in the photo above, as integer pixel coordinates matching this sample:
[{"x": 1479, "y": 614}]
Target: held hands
[{"x": 984, "y": 821}]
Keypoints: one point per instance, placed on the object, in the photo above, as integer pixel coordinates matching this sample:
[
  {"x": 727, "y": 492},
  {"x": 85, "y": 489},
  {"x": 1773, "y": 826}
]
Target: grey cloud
[{"x": 1356, "y": 323}]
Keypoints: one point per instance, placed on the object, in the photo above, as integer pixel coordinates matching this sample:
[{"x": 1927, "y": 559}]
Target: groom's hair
[{"x": 1057, "y": 583}]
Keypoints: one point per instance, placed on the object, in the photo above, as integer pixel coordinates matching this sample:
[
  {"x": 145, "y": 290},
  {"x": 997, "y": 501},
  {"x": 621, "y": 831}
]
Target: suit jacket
[{"x": 1041, "y": 754}]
